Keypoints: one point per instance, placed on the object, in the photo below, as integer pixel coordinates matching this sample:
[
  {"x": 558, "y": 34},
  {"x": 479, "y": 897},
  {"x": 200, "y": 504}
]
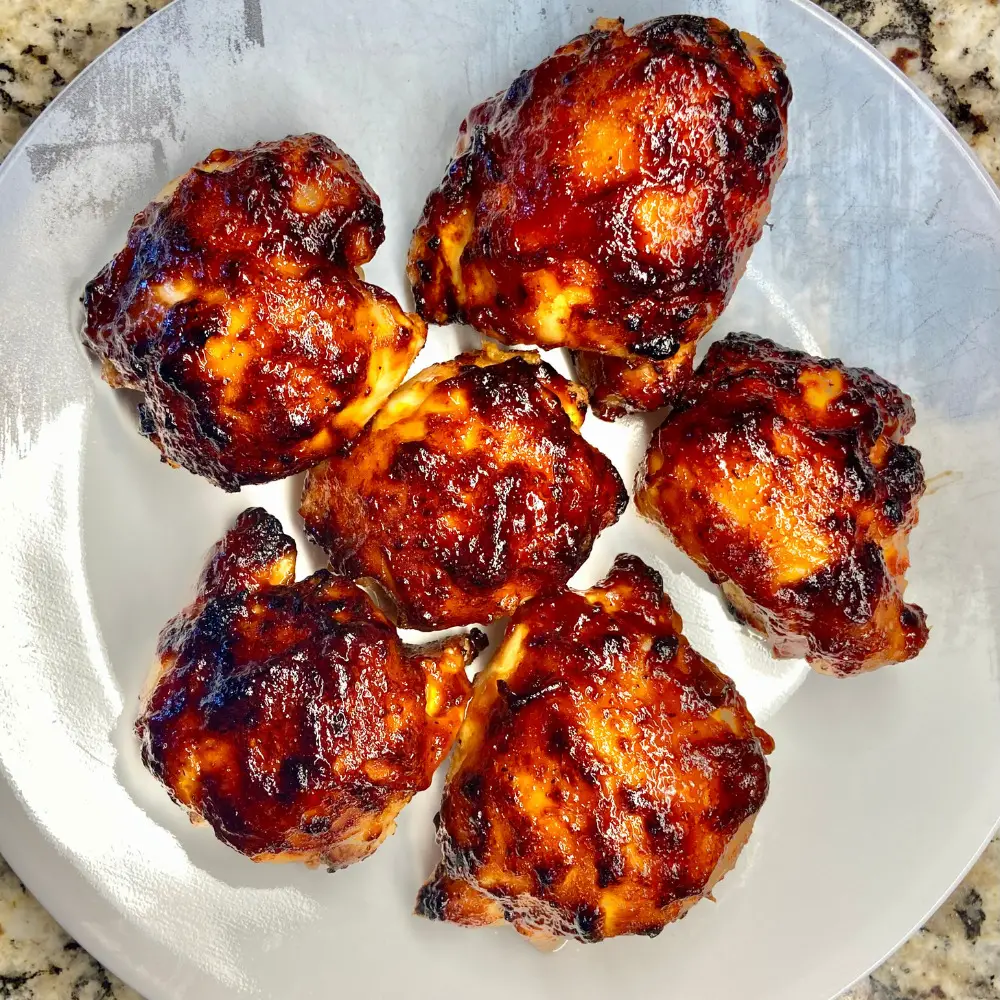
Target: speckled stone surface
[
  {"x": 45, "y": 43},
  {"x": 951, "y": 48}
]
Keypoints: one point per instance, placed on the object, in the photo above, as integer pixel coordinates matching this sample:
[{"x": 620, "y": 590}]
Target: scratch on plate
[
  {"x": 253, "y": 23},
  {"x": 942, "y": 479}
]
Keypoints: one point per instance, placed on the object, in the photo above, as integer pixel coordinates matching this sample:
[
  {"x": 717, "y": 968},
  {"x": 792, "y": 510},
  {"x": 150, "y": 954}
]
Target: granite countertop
[{"x": 951, "y": 48}]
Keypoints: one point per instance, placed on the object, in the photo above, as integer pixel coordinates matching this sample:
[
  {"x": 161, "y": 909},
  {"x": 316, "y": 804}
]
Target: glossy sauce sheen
[
  {"x": 605, "y": 777},
  {"x": 288, "y": 715},
  {"x": 470, "y": 492},
  {"x": 609, "y": 199},
  {"x": 785, "y": 478},
  {"x": 237, "y": 310}
]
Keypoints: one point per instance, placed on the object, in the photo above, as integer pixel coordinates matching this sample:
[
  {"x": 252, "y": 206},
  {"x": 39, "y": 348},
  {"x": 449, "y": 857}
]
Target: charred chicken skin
[
  {"x": 288, "y": 715},
  {"x": 618, "y": 385},
  {"x": 237, "y": 310},
  {"x": 608, "y": 201},
  {"x": 785, "y": 478},
  {"x": 471, "y": 491},
  {"x": 606, "y": 775}
]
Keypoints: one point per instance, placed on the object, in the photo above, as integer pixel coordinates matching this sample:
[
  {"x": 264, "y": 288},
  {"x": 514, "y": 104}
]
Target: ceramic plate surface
[{"x": 884, "y": 251}]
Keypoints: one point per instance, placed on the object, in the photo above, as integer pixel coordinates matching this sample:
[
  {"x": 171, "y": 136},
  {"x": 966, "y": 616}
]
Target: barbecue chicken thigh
[
  {"x": 289, "y": 716},
  {"x": 785, "y": 478},
  {"x": 606, "y": 775},
  {"x": 471, "y": 491},
  {"x": 608, "y": 201},
  {"x": 237, "y": 310}
]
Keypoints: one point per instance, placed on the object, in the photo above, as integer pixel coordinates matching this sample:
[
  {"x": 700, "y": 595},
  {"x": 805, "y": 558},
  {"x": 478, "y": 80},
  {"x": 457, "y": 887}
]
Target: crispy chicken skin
[
  {"x": 785, "y": 478},
  {"x": 609, "y": 199},
  {"x": 471, "y": 491},
  {"x": 237, "y": 309},
  {"x": 606, "y": 775},
  {"x": 288, "y": 715},
  {"x": 619, "y": 385}
]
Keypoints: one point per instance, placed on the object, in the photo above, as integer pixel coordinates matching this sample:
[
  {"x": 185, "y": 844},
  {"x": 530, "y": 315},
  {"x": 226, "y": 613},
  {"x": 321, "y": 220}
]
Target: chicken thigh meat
[
  {"x": 237, "y": 310},
  {"x": 606, "y": 775},
  {"x": 471, "y": 491},
  {"x": 608, "y": 201},
  {"x": 288, "y": 715},
  {"x": 785, "y": 477}
]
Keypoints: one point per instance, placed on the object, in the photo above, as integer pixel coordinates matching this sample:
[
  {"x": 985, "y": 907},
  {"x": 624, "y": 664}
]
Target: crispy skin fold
[
  {"x": 471, "y": 491},
  {"x": 619, "y": 385},
  {"x": 289, "y": 716},
  {"x": 237, "y": 310},
  {"x": 608, "y": 201},
  {"x": 606, "y": 775},
  {"x": 785, "y": 478}
]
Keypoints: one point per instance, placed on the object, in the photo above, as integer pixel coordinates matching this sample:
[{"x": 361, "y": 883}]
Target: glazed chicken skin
[
  {"x": 471, "y": 491},
  {"x": 237, "y": 310},
  {"x": 608, "y": 201},
  {"x": 785, "y": 478},
  {"x": 617, "y": 386},
  {"x": 606, "y": 775},
  {"x": 289, "y": 716}
]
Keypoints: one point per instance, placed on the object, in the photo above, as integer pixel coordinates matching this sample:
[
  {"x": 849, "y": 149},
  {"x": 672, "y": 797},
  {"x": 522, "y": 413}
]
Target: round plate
[{"x": 883, "y": 251}]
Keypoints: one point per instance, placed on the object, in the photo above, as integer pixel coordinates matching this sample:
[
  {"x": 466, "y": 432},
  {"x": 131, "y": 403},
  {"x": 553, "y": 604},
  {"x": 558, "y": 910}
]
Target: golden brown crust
[
  {"x": 288, "y": 715},
  {"x": 236, "y": 309},
  {"x": 785, "y": 478},
  {"x": 609, "y": 199},
  {"x": 470, "y": 492},
  {"x": 605, "y": 777},
  {"x": 620, "y": 385}
]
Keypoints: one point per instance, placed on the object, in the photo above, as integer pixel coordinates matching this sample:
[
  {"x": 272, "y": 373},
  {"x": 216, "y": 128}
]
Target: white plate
[{"x": 884, "y": 251}]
